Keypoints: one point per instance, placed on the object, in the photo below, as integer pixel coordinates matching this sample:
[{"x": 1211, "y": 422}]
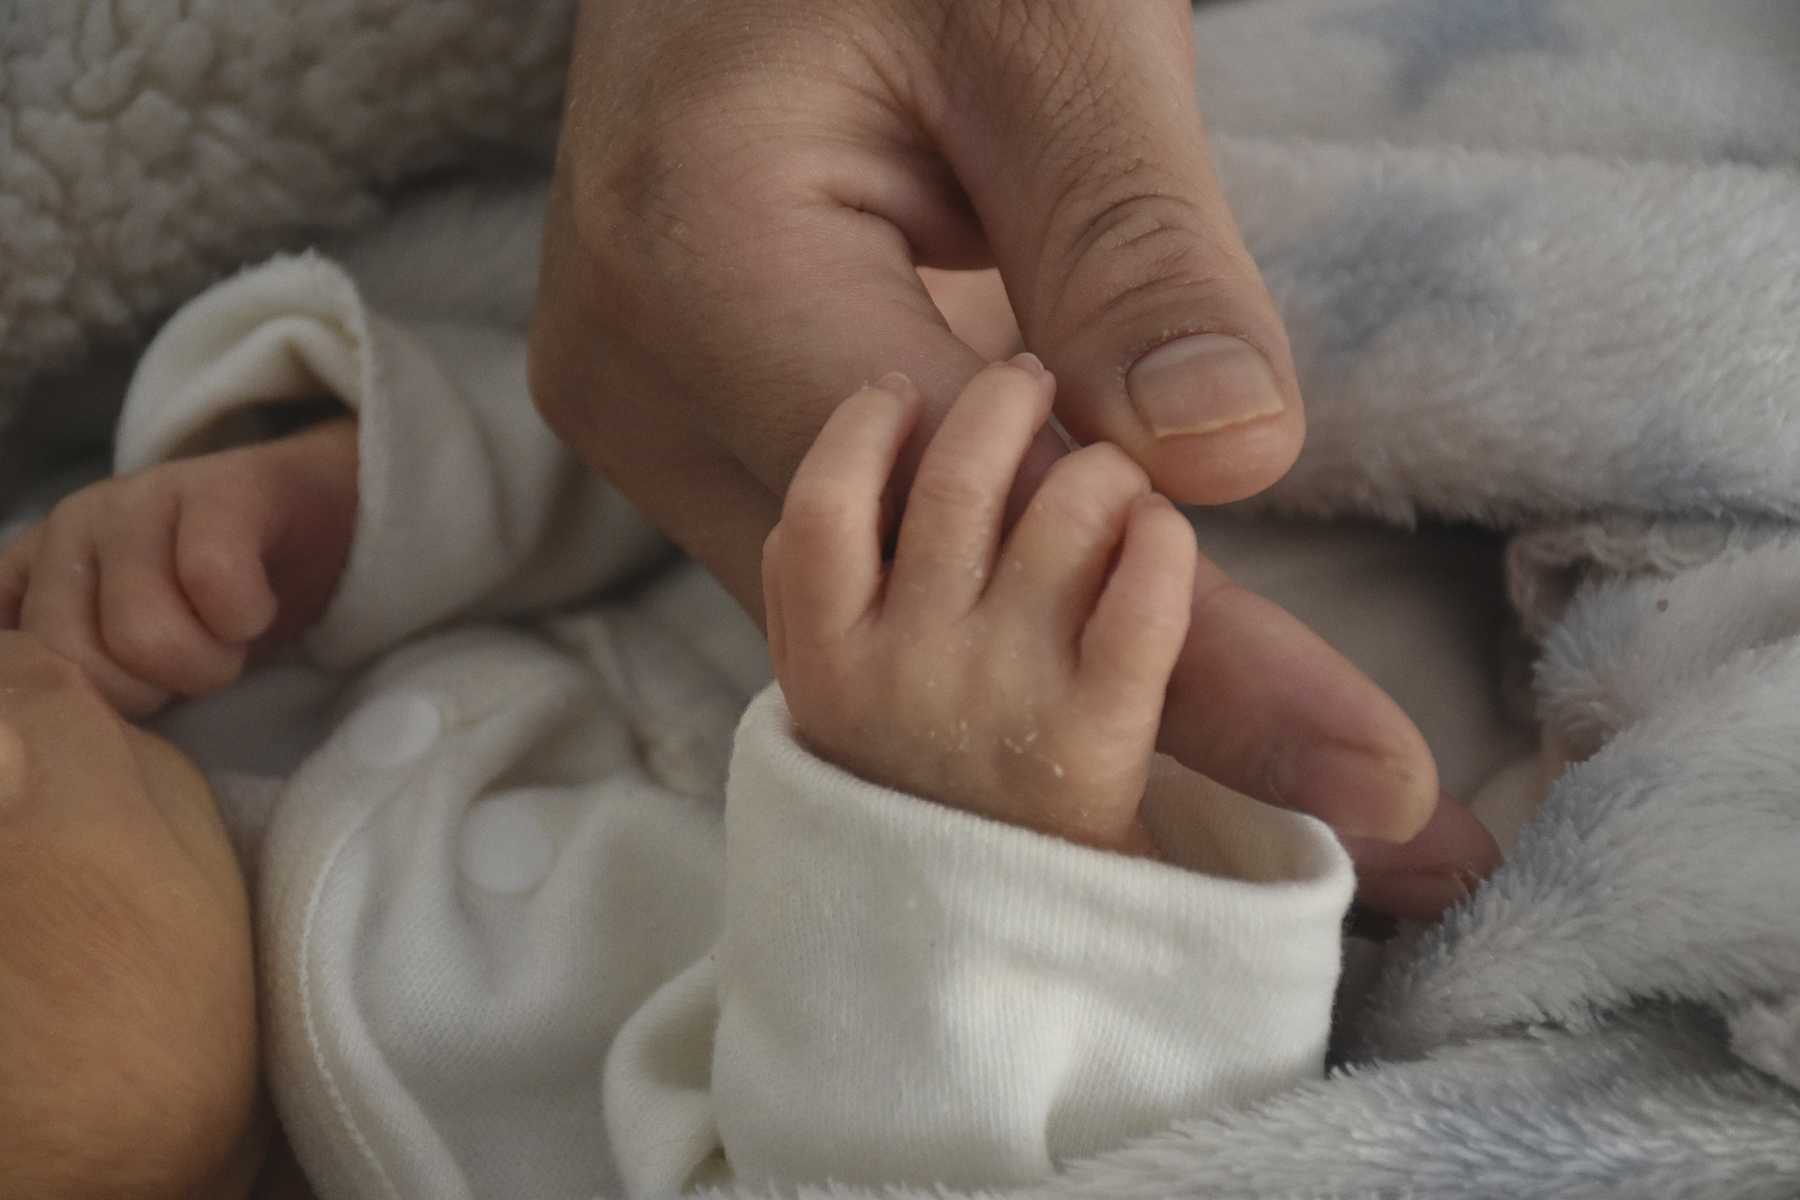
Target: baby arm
[
  {"x": 949, "y": 953},
  {"x": 439, "y": 495}
]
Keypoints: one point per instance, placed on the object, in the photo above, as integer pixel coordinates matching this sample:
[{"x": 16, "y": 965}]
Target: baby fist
[{"x": 157, "y": 584}]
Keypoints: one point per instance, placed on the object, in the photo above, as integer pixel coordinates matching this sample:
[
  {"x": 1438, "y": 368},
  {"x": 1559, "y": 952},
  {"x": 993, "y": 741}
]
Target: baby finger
[
  {"x": 15, "y": 575},
  {"x": 61, "y": 609},
  {"x": 146, "y": 623}
]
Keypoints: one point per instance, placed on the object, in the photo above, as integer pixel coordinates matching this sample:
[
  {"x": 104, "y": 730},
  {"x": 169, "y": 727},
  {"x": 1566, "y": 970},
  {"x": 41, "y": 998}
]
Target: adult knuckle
[
  {"x": 1055, "y": 54},
  {"x": 1135, "y": 245}
]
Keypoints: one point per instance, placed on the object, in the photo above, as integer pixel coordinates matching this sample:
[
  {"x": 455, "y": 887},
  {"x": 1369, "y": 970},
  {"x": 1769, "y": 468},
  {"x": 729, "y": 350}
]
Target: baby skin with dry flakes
[
  {"x": 1011, "y": 669},
  {"x": 1018, "y": 676}
]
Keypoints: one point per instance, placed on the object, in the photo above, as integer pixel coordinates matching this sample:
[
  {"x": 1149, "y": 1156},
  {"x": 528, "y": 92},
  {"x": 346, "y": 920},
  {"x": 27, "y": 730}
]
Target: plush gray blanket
[{"x": 1541, "y": 262}]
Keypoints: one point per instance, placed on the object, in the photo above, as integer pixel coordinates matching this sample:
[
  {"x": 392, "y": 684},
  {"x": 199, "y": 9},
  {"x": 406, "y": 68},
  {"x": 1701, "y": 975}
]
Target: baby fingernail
[
  {"x": 1202, "y": 384},
  {"x": 897, "y": 382},
  {"x": 1025, "y": 360}
]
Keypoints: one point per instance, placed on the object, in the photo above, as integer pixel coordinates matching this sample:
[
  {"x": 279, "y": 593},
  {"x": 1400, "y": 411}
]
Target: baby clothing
[{"x": 534, "y": 922}]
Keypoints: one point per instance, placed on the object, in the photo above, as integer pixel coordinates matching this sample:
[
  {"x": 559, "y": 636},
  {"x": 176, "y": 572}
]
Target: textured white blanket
[{"x": 148, "y": 147}]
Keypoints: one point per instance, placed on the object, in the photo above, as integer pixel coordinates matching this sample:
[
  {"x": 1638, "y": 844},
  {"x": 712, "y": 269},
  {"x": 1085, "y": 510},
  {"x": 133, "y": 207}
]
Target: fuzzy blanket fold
[{"x": 1541, "y": 262}]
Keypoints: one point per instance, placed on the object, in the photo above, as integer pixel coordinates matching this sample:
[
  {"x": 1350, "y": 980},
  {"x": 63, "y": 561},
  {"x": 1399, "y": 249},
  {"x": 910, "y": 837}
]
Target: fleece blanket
[{"x": 1539, "y": 261}]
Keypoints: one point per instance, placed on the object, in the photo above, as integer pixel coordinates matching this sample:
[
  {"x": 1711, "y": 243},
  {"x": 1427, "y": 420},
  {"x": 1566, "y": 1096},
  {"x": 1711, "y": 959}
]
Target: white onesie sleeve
[
  {"x": 881, "y": 990},
  {"x": 906, "y": 993},
  {"x": 468, "y": 503}
]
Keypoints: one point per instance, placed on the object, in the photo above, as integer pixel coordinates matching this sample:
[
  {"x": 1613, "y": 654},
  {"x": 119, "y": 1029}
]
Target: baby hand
[
  {"x": 157, "y": 584},
  {"x": 1021, "y": 680}
]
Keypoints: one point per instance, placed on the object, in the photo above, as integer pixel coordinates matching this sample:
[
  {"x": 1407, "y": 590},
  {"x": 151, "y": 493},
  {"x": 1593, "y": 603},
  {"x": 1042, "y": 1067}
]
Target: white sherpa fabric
[{"x": 148, "y": 147}]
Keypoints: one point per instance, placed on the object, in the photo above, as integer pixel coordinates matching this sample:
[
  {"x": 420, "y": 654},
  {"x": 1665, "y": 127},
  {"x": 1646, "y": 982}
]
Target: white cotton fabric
[{"x": 522, "y": 937}]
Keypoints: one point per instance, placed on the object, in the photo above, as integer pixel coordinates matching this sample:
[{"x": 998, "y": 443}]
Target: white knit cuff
[
  {"x": 468, "y": 505},
  {"x": 990, "y": 999}
]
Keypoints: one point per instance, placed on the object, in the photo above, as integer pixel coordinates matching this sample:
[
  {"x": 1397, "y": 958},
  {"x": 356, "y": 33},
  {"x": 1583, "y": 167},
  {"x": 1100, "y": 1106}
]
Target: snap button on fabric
[
  {"x": 505, "y": 848},
  {"x": 395, "y": 729}
]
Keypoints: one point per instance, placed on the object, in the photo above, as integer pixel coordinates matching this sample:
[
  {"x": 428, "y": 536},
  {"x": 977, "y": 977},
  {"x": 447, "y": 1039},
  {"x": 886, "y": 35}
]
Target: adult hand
[{"x": 746, "y": 190}]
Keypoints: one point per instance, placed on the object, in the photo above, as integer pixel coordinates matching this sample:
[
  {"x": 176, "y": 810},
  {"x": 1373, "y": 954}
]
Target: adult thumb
[{"x": 1079, "y": 141}]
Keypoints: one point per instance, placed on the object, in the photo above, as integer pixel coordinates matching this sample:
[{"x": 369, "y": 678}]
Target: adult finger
[
  {"x": 1265, "y": 706},
  {"x": 1075, "y": 129},
  {"x": 1420, "y": 878},
  {"x": 750, "y": 255},
  {"x": 606, "y": 402}
]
